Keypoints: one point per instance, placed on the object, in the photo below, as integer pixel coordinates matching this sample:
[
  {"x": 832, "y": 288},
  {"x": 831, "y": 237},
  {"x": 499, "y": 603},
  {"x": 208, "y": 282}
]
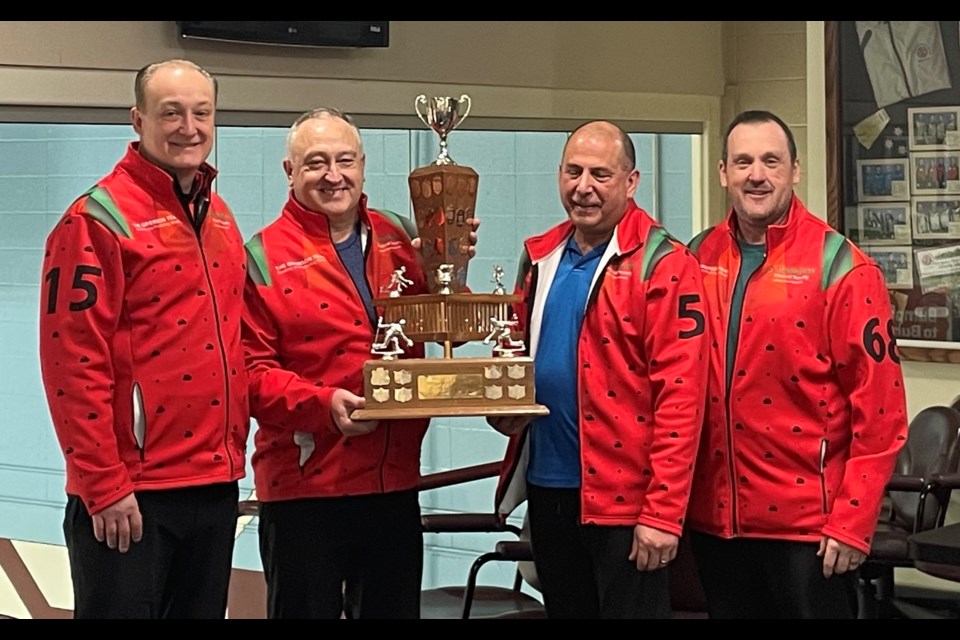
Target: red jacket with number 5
[
  {"x": 641, "y": 374},
  {"x": 140, "y": 337},
  {"x": 803, "y": 442}
]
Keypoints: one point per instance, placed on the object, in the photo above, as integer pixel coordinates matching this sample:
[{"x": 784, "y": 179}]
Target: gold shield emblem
[
  {"x": 517, "y": 391},
  {"x": 516, "y": 371},
  {"x": 493, "y": 372},
  {"x": 402, "y": 395},
  {"x": 379, "y": 377},
  {"x": 493, "y": 392},
  {"x": 402, "y": 376},
  {"x": 381, "y": 394}
]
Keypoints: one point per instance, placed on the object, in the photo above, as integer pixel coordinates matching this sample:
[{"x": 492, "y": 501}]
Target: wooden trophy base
[{"x": 445, "y": 387}]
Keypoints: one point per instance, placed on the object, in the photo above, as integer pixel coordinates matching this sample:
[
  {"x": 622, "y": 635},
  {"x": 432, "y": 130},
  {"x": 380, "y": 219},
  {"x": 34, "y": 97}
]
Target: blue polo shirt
[{"x": 555, "y": 438}]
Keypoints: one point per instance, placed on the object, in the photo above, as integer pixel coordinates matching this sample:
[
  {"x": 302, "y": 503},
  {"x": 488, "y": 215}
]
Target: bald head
[
  {"x": 597, "y": 180},
  {"x": 612, "y": 134}
]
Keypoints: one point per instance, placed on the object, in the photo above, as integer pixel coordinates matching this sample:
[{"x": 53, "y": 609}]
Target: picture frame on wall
[
  {"x": 936, "y": 217},
  {"x": 883, "y": 179},
  {"x": 938, "y": 268},
  {"x": 881, "y": 105},
  {"x": 934, "y": 172},
  {"x": 885, "y": 223},
  {"x": 934, "y": 128},
  {"x": 896, "y": 262}
]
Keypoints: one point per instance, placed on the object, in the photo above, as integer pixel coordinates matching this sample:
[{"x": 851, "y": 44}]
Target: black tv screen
[{"x": 294, "y": 33}]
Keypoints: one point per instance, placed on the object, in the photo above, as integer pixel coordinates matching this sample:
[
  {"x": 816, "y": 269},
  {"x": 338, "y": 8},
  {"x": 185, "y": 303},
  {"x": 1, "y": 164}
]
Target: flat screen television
[{"x": 292, "y": 33}]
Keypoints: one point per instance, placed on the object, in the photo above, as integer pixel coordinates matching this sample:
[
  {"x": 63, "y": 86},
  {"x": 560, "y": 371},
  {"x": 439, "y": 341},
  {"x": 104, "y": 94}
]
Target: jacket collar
[
  {"x": 627, "y": 235},
  {"x": 777, "y": 234},
  {"x": 159, "y": 182},
  {"x": 316, "y": 223}
]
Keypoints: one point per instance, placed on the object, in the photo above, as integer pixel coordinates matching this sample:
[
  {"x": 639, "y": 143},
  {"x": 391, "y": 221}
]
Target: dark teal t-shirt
[{"x": 752, "y": 258}]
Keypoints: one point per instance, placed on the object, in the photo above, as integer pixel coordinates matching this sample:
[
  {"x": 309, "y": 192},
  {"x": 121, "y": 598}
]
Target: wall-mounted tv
[{"x": 295, "y": 33}]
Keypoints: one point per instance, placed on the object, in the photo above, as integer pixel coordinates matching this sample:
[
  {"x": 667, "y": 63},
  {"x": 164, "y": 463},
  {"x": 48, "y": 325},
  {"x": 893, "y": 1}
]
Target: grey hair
[{"x": 320, "y": 112}]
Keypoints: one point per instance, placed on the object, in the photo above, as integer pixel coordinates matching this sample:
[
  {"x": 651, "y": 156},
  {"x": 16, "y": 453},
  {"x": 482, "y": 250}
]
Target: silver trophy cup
[{"x": 443, "y": 115}]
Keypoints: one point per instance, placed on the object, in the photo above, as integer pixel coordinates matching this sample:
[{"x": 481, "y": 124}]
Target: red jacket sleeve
[
  {"x": 82, "y": 295},
  {"x": 870, "y": 376},
  {"x": 676, "y": 344},
  {"x": 277, "y": 395}
]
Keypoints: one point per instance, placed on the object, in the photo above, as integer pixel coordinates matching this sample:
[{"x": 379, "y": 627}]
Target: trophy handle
[
  {"x": 463, "y": 98},
  {"x": 421, "y": 99}
]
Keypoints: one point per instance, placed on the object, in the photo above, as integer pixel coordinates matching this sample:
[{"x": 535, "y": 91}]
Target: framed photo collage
[
  {"x": 917, "y": 197},
  {"x": 893, "y": 168}
]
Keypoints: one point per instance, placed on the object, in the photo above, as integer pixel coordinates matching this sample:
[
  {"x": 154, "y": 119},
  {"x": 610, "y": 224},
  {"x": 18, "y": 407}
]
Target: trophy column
[{"x": 444, "y": 197}]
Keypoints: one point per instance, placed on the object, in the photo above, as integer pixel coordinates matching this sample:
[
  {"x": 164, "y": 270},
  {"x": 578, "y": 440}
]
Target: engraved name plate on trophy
[{"x": 444, "y": 196}]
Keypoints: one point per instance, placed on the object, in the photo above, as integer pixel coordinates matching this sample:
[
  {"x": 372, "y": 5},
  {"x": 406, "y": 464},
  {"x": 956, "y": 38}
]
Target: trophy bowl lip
[{"x": 434, "y": 105}]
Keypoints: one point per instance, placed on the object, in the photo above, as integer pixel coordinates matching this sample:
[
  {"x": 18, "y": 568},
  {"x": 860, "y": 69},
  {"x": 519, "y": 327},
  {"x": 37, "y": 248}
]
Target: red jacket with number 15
[
  {"x": 140, "y": 337},
  {"x": 640, "y": 373}
]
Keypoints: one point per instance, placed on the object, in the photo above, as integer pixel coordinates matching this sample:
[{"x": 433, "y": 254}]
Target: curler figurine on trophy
[{"x": 444, "y": 196}]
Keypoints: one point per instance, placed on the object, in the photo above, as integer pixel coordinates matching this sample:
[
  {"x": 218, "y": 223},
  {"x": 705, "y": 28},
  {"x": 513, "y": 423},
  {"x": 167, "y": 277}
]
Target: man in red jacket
[
  {"x": 806, "y": 409},
  {"x": 143, "y": 367},
  {"x": 613, "y": 313},
  {"x": 338, "y": 497}
]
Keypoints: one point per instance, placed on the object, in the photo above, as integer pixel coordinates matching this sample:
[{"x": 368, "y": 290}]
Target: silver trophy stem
[{"x": 444, "y": 157}]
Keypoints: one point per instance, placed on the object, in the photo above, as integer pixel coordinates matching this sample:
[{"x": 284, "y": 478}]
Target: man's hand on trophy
[
  {"x": 471, "y": 248},
  {"x": 342, "y": 404},
  {"x": 509, "y": 425}
]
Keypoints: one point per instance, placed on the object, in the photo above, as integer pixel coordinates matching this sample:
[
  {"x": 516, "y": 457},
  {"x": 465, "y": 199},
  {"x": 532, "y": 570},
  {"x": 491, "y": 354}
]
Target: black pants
[
  {"x": 310, "y": 547},
  {"x": 179, "y": 569},
  {"x": 583, "y": 569},
  {"x": 773, "y": 579}
]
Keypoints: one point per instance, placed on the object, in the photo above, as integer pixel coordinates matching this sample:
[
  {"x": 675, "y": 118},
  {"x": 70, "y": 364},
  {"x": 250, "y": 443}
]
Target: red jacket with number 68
[{"x": 803, "y": 441}]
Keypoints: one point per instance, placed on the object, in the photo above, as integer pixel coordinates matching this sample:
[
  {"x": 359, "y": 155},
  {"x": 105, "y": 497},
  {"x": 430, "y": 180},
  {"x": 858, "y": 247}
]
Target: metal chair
[
  {"x": 474, "y": 600},
  {"x": 917, "y": 497}
]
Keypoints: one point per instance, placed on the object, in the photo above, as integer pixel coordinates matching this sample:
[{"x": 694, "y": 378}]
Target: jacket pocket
[
  {"x": 139, "y": 423},
  {"x": 823, "y": 474}
]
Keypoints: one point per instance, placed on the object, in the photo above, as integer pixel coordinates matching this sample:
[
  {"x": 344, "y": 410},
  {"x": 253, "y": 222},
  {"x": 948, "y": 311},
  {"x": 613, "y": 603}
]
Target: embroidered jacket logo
[
  {"x": 390, "y": 245},
  {"x": 712, "y": 270},
  {"x": 162, "y": 221},
  {"x": 790, "y": 275},
  {"x": 299, "y": 264}
]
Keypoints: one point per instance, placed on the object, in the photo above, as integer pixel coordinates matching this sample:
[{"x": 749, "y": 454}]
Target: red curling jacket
[
  {"x": 803, "y": 442},
  {"x": 641, "y": 374},
  {"x": 306, "y": 333},
  {"x": 140, "y": 337}
]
